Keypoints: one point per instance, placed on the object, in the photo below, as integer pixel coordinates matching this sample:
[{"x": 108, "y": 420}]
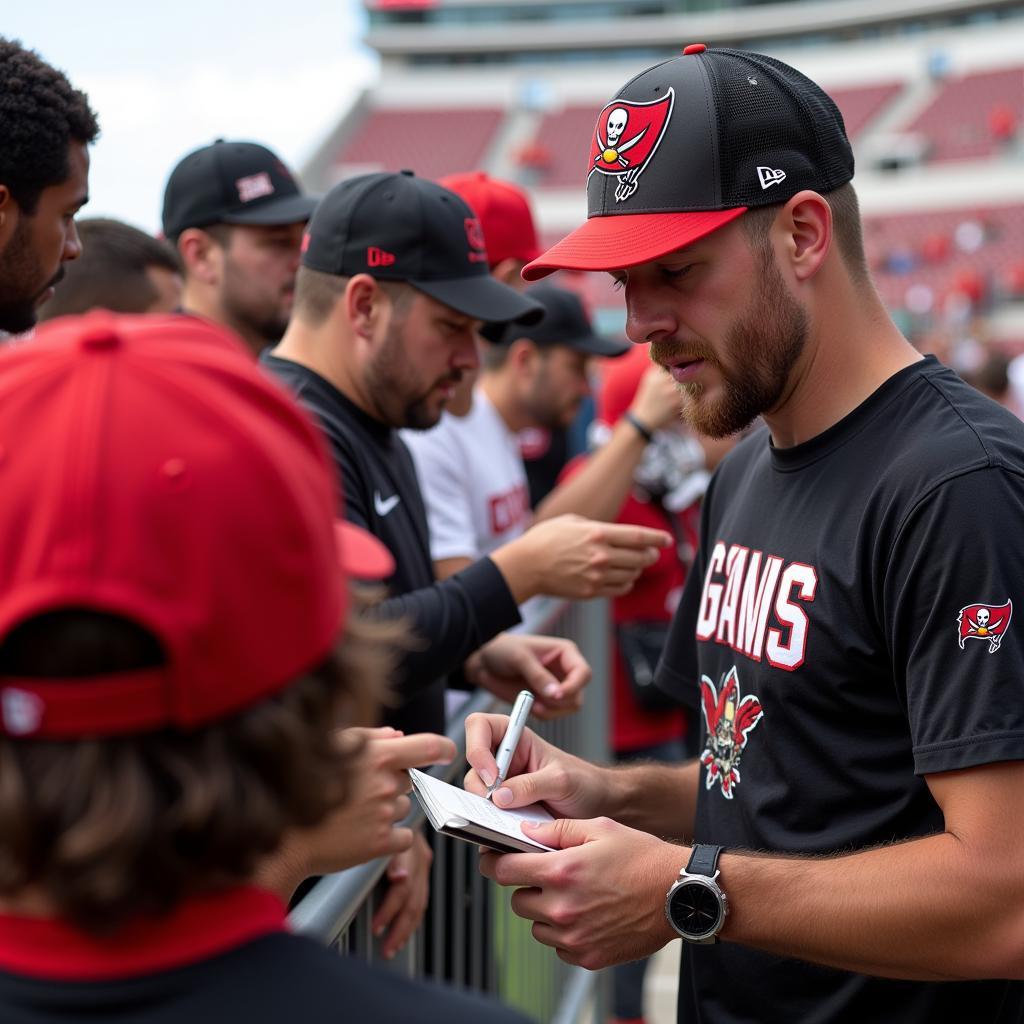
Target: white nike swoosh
[{"x": 385, "y": 505}]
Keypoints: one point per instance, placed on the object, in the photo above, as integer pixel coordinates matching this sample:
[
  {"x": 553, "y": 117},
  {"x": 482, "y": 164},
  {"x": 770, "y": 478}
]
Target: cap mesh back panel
[{"x": 763, "y": 122}]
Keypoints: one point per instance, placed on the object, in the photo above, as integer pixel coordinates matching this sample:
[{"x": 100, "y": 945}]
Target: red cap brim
[
  {"x": 627, "y": 239},
  {"x": 360, "y": 553}
]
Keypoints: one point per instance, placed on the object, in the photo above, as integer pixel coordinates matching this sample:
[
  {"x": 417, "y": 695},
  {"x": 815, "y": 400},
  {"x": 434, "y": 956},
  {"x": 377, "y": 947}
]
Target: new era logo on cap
[
  {"x": 377, "y": 257},
  {"x": 770, "y": 176}
]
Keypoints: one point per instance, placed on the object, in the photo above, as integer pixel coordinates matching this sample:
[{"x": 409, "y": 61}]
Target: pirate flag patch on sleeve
[{"x": 986, "y": 622}]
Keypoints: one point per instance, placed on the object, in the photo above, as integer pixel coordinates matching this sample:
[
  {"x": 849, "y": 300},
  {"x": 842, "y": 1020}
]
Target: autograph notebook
[{"x": 468, "y": 816}]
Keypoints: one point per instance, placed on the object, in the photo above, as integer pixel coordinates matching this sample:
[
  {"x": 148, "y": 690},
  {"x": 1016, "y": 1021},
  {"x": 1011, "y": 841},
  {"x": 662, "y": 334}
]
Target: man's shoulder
[
  {"x": 976, "y": 419},
  {"x": 341, "y": 422},
  {"x": 939, "y": 430},
  {"x": 313, "y": 390},
  {"x": 278, "y": 977},
  {"x": 318, "y": 980}
]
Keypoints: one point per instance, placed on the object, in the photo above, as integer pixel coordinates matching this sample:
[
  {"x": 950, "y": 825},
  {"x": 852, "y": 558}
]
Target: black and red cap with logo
[
  {"x": 397, "y": 227},
  {"x": 232, "y": 183},
  {"x": 691, "y": 144}
]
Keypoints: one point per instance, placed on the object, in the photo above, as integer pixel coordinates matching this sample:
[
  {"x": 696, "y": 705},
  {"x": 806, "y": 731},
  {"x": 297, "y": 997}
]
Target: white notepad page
[{"x": 455, "y": 802}]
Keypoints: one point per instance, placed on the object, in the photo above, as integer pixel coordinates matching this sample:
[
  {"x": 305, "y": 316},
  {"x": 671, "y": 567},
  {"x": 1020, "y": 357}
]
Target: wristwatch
[{"x": 695, "y": 905}]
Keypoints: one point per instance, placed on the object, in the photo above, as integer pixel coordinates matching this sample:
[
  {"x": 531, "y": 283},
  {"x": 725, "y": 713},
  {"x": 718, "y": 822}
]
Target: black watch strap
[{"x": 704, "y": 860}]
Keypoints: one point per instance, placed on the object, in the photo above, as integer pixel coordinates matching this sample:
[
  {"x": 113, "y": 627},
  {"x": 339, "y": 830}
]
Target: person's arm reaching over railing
[{"x": 602, "y": 484}]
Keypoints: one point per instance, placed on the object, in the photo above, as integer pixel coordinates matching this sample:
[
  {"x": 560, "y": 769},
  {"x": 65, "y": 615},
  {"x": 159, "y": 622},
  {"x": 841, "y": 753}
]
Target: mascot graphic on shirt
[{"x": 729, "y": 718}]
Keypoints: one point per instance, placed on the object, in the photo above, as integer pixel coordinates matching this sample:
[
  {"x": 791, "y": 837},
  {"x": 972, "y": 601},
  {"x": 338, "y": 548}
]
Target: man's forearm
[
  {"x": 655, "y": 797},
  {"x": 929, "y": 909},
  {"x": 600, "y": 487}
]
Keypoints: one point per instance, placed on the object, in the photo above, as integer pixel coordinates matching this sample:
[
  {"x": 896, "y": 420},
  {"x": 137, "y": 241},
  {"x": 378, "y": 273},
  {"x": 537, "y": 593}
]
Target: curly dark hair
[
  {"x": 110, "y": 828},
  {"x": 41, "y": 113}
]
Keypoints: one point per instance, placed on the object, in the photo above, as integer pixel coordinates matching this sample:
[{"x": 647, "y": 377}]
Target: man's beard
[
  {"x": 399, "y": 399},
  {"x": 241, "y": 308},
  {"x": 545, "y": 410},
  {"x": 762, "y": 347},
  {"x": 20, "y": 292}
]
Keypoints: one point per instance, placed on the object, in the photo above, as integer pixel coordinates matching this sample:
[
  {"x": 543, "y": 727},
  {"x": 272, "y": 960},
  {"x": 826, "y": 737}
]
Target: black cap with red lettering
[
  {"x": 689, "y": 145},
  {"x": 397, "y": 227},
  {"x": 232, "y": 183}
]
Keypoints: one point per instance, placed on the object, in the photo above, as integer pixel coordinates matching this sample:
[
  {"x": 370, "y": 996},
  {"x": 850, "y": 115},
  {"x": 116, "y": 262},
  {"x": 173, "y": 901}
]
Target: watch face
[{"x": 696, "y": 909}]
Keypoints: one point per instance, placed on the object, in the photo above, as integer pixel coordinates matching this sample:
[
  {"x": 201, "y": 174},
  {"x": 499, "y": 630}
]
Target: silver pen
[{"x": 516, "y": 725}]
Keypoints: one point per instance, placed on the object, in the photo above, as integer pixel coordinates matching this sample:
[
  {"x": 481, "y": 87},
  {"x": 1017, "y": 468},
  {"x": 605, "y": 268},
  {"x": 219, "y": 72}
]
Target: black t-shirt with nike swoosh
[{"x": 381, "y": 494}]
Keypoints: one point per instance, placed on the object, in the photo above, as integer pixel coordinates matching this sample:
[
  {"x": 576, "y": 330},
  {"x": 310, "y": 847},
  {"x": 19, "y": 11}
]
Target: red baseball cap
[
  {"x": 504, "y": 213},
  {"x": 620, "y": 380},
  {"x": 152, "y": 472}
]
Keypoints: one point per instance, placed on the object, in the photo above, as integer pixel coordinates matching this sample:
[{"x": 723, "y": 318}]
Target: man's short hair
[
  {"x": 317, "y": 293},
  {"x": 163, "y": 815},
  {"x": 846, "y": 222},
  {"x": 111, "y": 272},
  {"x": 41, "y": 113}
]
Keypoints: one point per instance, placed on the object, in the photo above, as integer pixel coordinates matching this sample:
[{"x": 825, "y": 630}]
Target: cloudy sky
[{"x": 168, "y": 77}]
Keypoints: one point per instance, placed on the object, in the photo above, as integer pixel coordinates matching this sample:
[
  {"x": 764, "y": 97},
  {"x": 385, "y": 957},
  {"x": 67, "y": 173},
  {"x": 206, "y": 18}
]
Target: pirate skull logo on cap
[{"x": 625, "y": 139}]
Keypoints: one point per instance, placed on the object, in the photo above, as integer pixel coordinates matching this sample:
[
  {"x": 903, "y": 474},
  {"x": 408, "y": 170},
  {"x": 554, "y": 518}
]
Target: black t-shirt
[
  {"x": 49, "y": 975},
  {"x": 451, "y": 619},
  {"x": 852, "y": 606}
]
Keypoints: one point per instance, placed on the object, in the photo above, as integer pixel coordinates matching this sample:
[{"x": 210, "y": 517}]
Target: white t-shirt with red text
[{"x": 473, "y": 482}]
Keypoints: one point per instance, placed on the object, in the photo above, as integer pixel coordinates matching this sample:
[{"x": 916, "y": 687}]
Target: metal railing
[{"x": 470, "y": 937}]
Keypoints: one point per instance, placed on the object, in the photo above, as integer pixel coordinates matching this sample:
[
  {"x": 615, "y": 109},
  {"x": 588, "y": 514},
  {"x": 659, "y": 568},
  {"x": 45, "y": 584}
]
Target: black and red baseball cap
[
  {"x": 152, "y": 472},
  {"x": 565, "y": 323},
  {"x": 397, "y": 227},
  {"x": 691, "y": 144},
  {"x": 232, "y": 183}
]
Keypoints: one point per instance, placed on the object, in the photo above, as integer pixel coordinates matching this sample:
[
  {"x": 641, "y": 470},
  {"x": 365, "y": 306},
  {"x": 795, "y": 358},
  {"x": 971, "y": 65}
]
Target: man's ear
[
  {"x": 807, "y": 233},
  {"x": 10, "y": 213},
  {"x": 523, "y": 355},
  {"x": 365, "y": 303},
  {"x": 201, "y": 255},
  {"x": 509, "y": 271}
]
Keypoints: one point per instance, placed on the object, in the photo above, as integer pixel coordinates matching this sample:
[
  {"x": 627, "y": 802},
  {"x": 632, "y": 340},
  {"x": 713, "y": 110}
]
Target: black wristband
[{"x": 637, "y": 425}]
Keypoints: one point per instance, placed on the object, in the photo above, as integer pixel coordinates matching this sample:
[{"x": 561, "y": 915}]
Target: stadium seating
[
  {"x": 971, "y": 116},
  {"x": 431, "y": 142},
  {"x": 861, "y": 104},
  {"x": 564, "y": 140}
]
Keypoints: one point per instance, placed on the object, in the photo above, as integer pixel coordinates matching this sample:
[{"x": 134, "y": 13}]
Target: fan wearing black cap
[
  {"x": 470, "y": 469},
  {"x": 393, "y": 286},
  {"x": 236, "y": 215},
  {"x": 851, "y": 832}
]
